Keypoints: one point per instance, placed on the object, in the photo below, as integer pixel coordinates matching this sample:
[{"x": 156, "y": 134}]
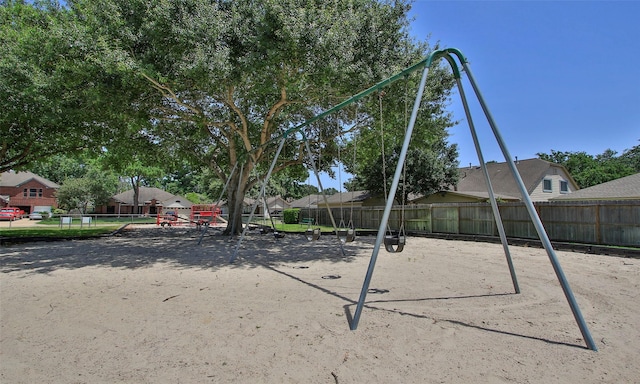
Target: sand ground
[{"x": 150, "y": 306}]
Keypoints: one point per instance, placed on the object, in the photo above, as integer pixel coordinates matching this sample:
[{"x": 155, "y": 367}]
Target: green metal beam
[{"x": 428, "y": 61}]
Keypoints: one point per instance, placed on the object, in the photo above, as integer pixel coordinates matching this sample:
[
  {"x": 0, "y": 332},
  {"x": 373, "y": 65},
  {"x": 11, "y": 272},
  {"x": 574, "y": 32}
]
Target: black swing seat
[
  {"x": 264, "y": 229},
  {"x": 394, "y": 243},
  {"x": 312, "y": 234},
  {"x": 346, "y": 235}
]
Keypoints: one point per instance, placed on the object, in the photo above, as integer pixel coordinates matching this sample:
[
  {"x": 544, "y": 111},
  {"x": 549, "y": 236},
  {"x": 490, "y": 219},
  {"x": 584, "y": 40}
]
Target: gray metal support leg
[
  {"x": 492, "y": 197},
  {"x": 387, "y": 209},
  {"x": 535, "y": 219}
]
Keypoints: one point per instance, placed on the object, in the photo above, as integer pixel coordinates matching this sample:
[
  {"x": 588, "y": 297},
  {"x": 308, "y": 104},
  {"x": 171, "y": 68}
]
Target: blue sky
[{"x": 560, "y": 75}]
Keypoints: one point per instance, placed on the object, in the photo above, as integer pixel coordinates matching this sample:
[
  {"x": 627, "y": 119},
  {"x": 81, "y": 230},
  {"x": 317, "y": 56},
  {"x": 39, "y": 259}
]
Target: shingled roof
[
  {"x": 625, "y": 188},
  {"x": 16, "y": 179},
  {"x": 147, "y": 194},
  {"x": 532, "y": 171}
]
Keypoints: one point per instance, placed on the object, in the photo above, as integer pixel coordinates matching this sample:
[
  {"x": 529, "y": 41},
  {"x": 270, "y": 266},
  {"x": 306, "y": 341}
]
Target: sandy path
[{"x": 151, "y": 307}]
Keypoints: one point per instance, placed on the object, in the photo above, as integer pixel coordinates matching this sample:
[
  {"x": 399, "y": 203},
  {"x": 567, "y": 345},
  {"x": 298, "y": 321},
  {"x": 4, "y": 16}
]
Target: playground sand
[{"x": 150, "y": 306}]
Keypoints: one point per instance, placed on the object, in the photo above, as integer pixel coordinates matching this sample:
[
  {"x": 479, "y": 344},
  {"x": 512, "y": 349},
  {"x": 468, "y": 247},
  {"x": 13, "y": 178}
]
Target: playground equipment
[
  {"x": 200, "y": 215},
  {"x": 450, "y": 55}
]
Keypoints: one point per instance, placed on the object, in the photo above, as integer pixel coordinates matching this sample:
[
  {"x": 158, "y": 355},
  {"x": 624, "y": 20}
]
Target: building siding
[
  {"x": 17, "y": 198},
  {"x": 556, "y": 176}
]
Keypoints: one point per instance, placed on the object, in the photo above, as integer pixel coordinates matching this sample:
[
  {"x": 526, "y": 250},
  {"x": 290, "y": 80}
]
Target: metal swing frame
[
  {"x": 450, "y": 55},
  {"x": 283, "y": 138},
  {"x": 346, "y": 232}
]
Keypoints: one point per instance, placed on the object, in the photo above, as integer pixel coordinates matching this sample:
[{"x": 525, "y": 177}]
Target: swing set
[{"x": 395, "y": 242}]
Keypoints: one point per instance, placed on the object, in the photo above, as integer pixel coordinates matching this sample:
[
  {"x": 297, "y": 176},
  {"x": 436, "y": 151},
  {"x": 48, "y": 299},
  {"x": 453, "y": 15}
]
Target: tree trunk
[
  {"x": 235, "y": 202},
  {"x": 136, "y": 194}
]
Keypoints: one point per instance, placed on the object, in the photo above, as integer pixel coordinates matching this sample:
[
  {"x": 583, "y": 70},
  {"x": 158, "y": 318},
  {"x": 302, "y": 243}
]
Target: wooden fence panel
[
  {"x": 445, "y": 219},
  {"x": 516, "y": 221},
  {"x": 619, "y": 224},
  {"x": 477, "y": 220},
  {"x": 601, "y": 222},
  {"x": 570, "y": 222}
]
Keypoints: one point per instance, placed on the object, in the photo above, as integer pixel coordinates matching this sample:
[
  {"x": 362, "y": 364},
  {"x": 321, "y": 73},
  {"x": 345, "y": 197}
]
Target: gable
[
  {"x": 532, "y": 172},
  {"x": 17, "y": 179},
  {"x": 146, "y": 195}
]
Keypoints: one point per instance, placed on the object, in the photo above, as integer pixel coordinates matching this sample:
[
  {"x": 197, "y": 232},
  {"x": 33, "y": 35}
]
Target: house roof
[
  {"x": 177, "y": 202},
  {"x": 532, "y": 171},
  {"x": 310, "y": 201},
  {"x": 277, "y": 202},
  {"x": 624, "y": 188},
  {"x": 147, "y": 194},
  {"x": 16, "y": 179},
  {"x": 348, "y": 197}
]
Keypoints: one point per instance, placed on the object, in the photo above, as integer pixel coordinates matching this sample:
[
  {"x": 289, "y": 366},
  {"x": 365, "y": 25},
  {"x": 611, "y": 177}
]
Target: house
[
  {"x": 276, "y": 204},
  {"x": 310, "y": 201},
  {"x": 150, "y": 201},
  {"x": 353, "y": 198},
  {"x": 542, "y": 180},
  {"x": 344, "y": 199},
  {"x": 27, "y": 191},
  {"x": 624, "y": 188}
]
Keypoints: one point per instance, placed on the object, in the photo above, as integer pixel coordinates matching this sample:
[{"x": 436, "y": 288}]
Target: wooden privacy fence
[{"x": 592, "y": 222}]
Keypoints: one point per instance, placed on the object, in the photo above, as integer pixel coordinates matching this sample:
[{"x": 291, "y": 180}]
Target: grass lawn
[
  {"x": 295, "y": 228},
  {"x": 51, "y": 228},
  {"x": 57, "y": 232}
]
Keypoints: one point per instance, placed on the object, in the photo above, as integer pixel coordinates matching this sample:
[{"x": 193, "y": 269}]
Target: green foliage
[
  {"x": 631, "y": 158},
  {"x": 196, "y": 198},
  {"x": 427, "y": 170},
  {"x": 56, "y": 97},
  {"x": 94, "y": 189},
  {"x": 431, "y": 163},
  {"x": 221, "y": 79},
  {"x": 58, "y": 168},
  {"x": 588, "y": 170},
  {"x": 291, "y": 216}
]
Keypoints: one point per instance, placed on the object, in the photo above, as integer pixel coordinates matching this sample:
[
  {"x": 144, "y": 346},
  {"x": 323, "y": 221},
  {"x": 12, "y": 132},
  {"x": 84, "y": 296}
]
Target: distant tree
[
  {"x": 92, "y": 190},
  {"x": 588, "y": 170},
  {"x": 426, "y": 171},
  {"x": 330, "y": 191},
  {"x": 58, "y": 168},
  {"x": 631, "y": 158}
]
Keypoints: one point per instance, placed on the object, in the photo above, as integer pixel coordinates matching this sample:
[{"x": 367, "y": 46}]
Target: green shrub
[{"x": 290, "y": 216}]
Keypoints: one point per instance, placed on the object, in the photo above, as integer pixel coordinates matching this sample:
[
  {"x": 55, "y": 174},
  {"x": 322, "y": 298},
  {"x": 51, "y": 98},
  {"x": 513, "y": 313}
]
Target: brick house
[
  {"x": 26, "y": 190},
  {"x": 150, "y": 201}
]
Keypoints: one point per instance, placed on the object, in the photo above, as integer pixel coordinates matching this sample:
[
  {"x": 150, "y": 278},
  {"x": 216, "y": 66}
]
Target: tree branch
[{"x": 170, "y": 94}]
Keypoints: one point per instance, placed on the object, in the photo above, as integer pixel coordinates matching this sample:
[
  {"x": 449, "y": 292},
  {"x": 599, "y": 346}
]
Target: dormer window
[{"x": 564, "y": 186}]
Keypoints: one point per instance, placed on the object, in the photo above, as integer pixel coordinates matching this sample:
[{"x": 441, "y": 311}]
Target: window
[
  {"x": 546, "y": 185},
  {"x": 564, "y": 186},
  {"x": 33, "y": 192},
  {"x": 24, "y": 192},
  {"x": 40, "y": 192}
]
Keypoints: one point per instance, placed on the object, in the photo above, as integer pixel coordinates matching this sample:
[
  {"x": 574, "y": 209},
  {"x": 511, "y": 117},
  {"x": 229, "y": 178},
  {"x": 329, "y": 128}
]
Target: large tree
[
  {"x": 55, "y": 95},
  {"x": 221, "y": 80},
  {"x": 226, "y": 77}
]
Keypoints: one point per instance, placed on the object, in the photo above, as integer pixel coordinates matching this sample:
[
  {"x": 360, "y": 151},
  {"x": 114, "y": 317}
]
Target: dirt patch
[{"x": 150, "y": 306}]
